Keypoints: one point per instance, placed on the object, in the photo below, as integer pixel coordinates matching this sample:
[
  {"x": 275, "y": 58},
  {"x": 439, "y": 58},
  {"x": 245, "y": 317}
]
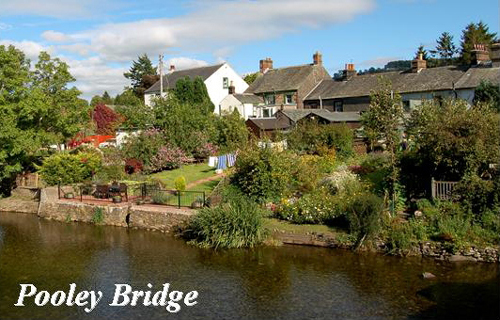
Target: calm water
[{"x": 288, "y": 282}]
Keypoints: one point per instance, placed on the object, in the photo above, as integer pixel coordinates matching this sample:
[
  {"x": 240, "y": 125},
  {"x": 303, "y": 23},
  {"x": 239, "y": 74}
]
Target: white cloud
[
  {"x": 30, "y": 48},
  {"x": 55, "y": 36},
  {"x": 5, "y": 26},
  {"x": 181, "y": 63},
  {"x": 68, "y": 9},
  {"x": 378, "y": 62},
  {"x": 219, "y": 24}
]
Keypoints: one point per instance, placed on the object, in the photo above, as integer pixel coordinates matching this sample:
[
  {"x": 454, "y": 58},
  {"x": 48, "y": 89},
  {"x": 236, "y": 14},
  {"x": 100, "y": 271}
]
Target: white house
[
  {"x": 248, "y": 105},
  {"x": 217, "y": 78}
]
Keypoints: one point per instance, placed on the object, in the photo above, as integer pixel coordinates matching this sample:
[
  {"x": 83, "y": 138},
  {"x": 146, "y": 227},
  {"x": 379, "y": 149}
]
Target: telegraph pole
[{"x": 160, "y": 66}]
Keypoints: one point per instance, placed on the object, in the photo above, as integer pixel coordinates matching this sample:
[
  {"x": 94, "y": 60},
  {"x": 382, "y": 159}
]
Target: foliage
[
  {"x": 160, "y": 197},
  {"x": 318, "y": 207},
  {"x": 138, "y": 73},
  {"x": 264, "y": 174},
  {"x": 143, "y": 147},
  {"x": 180, "y": 183},
  {"x": 110, "y": 172},
  {"x": 133, "y": 166},
  {"x": 477, "y": 195},
  {"x": 167, "y": 157},
  {"x": 106, "y": 120},
  {"x": 205, "y": 150},
  {"x": 365, "y": 216},
  {"x": 421, "y": 51},
  {"x": 234, "y": 224},
  {"x": 453, "y": 140},
  {"x": 445, "y": 47},
  {"x": 128, "y": 98},
  {"x": 474, "y": 33},
  {"x": 311, "y": 137},
  {"x": 68, "y": 168},
  {"x": 133, "y": 110},
  {"x": 104, "y": 99},
  {"x": 488, "y": 93},
  {"x": 231, "y": 132},
  {"x": 194, "y": 93},
  {"x": 339, "y": 181},
  {"x": 98, "y": 216},
  {"x": 250, "y": 78}
]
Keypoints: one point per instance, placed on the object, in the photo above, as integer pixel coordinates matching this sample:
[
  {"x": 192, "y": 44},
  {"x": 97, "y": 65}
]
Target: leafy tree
[
  {"x": 37, "y": 109},
  {"x": 106, "y": 98},
  {"x": 231, "y": 132},
  {"x": 127, "y": 98},
  {"x": 474, "y": 34},
  {"x": 250, "y": 78},
  {"x": 135, "y": 113},
  {"x": 106, "y": 120},
  {"x": 445, "y": 48},
  {"x": 382, "y": 122},
  {"x": 194, "y": 93},
  {"x": 137, "y": 73},
  {"x": 97, "y": 99},
  {"x": 488, "y": 93}
]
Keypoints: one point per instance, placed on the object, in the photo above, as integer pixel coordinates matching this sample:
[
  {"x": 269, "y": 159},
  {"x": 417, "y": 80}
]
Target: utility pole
[{"x": 160, "y": 66}]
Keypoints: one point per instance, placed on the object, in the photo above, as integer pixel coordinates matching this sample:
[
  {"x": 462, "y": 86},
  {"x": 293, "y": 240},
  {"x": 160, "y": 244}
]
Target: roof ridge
[{"x": 202, "y": 67}]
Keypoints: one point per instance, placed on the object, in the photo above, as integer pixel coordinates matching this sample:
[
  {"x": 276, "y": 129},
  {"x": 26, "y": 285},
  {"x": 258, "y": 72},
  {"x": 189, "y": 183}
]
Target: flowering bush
[
  {"x": 314, "y": 208},
  {"x": 205, "y": 150},
  {"x": 143, "y": 146},
  {"x": 168, "y": 157},
  {"x": 340, "y": 180},
  {"x": 133, "y": 166}
]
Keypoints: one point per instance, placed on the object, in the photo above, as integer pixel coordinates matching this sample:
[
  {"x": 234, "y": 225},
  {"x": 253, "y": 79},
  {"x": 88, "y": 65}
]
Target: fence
[
  {"x": 442, "y": 190},
  {"x": 28, "y": 180},
  {"x": 139, "y": 193}
]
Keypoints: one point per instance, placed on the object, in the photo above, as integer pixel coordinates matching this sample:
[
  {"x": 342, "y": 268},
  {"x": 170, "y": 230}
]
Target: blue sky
[{"x": 100, "y": 38}]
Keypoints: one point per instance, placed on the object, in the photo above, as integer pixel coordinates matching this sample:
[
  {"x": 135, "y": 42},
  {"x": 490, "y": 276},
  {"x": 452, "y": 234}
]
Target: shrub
[
  {"x": 68, "y": 168},
  {"x": 205, "y": 150},
  {"x": 168, "y": 157},
  {"x": 180, "y": 183},
  {"x": 98, "y": 216},
  {"x": 143, "y": 147},
  {"x": 160, "y": 197},
  {"x": 477, "y": 195},
  {"x": 340, "y": 180},
  {"x": 133, "y": 166},
  {"x": 265, "y": 174},
  {"x": 313, "y": 208},
  {"x": 364, "y": 215},
  {"x": 235, "y": 224},
  {"x": 113, "y": 172}
]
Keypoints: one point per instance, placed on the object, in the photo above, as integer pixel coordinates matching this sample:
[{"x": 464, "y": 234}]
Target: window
[
  {"x": 289, "y": 98},
  {"x": 266, "y": 113},
  {"x": 338, "y": 107},
  {"x": 270, "y": 99},
  {"x": 406, "y": 105},
  {"x": 225, "y": 83}
]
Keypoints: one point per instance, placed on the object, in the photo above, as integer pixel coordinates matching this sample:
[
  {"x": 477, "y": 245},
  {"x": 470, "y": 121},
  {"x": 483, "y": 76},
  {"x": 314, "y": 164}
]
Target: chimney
[
  {"x": 318, "y": 58},
  {"x": 265, "y": 65},
  {"x": 495, "y": 54},
  {"x": 231, "y": 88},
  {"x": 480, "y": 54},
  {"x": 418, "y": 64},
  {"x": 172, "y": 68},
  {"x": 349, "y": 71}
]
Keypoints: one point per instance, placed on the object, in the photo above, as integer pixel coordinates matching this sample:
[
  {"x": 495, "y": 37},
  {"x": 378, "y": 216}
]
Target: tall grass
[{"x": 234, "y": 224}]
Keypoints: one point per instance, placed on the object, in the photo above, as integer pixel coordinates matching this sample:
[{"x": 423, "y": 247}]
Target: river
[{"x": 287, "y": 282}]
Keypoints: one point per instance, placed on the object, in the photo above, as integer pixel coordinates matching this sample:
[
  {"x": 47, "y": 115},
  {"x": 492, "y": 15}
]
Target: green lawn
[
  {"x": 191, "y": 173},
  {"x": 285, "y": 226}
]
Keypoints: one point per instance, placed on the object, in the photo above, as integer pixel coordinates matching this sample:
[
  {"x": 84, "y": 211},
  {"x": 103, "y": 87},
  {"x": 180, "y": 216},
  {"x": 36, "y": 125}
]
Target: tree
[
  {"x": 137, "y": 73},
  {"x": 194, "y": 93},
  {"x": 250, "y": 78},
  {"x": 37, "y": 109},
  {"x": 105, "y": 119},
  {"x": 445, "y": 48},
  {"x": 106, "y": 98},
  {"x": 127, "y": 98},
  {"x": 421, "y": 51},
  {"x": 133, "y": 110},
  {"x": 471, "y": 35},
  {"x": 488, "y": 93},
  {"x": 231, "y": 132},
  {"x": 382, "y": 122}
]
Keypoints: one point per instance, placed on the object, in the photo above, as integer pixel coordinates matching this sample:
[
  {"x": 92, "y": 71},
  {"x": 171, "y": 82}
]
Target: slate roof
[
  {"x": 296, "y": 114},
  {"x": 282, "y": 79},
  {"x": 472, "y": 78},
  {"x": 270, "y": 123},
  {"x": 249, "y": 98},
  {"x": 432, "y": 79},
  {"x": 170, "y": 79}
]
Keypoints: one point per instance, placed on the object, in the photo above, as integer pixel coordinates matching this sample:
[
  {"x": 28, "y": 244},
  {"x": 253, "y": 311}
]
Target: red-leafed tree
[{"x": 105, "y": 119}]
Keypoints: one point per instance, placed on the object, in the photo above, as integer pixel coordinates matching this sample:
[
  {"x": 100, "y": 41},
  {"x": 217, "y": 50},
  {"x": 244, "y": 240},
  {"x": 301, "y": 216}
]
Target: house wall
[
  {"x": 229, "y": 103},
  {"x": 215, "y": 87},
  {"x": 312, "y": 80},
  {"x": 149, "y": 97},
  {"x": 354, "y": 104}
]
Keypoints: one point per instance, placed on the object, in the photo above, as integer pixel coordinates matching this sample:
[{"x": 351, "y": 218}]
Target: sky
[{"x": 99, "y": 39}]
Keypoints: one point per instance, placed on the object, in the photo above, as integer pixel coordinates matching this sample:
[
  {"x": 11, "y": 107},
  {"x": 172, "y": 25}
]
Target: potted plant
[
  {"x": 117, "y": 199},
  {"x": 69, "y": 195}
]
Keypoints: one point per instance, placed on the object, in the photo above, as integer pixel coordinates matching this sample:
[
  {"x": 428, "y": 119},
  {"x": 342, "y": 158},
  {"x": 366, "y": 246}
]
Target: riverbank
[{"x": 167, "y": 219}]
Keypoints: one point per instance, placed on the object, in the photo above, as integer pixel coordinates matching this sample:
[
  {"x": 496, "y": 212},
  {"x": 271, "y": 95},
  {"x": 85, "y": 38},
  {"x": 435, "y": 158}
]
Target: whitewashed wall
[{"x": 215, "y": 87}]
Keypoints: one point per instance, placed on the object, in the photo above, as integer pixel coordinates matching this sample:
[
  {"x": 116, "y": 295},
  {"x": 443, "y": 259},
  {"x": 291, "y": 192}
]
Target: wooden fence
[
  {"x": 442, "y": 190},
  {"x": 28, "y": 180}
]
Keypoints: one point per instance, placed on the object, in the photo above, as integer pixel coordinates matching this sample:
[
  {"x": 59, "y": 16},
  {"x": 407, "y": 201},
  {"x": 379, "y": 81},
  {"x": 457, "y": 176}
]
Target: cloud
[
  {"x": 216, "y": 24},
  {"x": 30, "y": 48},
  {"x": 5, "y": 26},
  {"x": 67, "y": 9},
  {"x": 54, "y": 36},
  {"x": 378, "y": 62},
  {"x": 181, "y": 63}
]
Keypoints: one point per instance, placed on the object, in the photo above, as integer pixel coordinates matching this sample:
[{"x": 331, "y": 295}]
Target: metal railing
[
  {"x": 442, "y": 190},
  {"x": 139, "y": 193}
]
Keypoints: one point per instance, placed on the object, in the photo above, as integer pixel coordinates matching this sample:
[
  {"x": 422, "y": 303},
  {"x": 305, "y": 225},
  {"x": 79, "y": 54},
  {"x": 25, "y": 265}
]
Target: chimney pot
[
  {"x": 480, "y": 54},
  {"x": 349, "y": 71},
  {"x": 495, "y": 54},
  {"x": 172, "y": 68},
  {"x": 265, "y": 65},
  {"x": 418, "y": 64},
  {"x": 231, "y": 88},
  {"x": 318, "y": 58}
]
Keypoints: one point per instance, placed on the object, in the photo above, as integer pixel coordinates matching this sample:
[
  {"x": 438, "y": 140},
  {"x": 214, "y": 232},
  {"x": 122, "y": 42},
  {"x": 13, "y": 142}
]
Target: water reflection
[{"x": 264, "y": 283}]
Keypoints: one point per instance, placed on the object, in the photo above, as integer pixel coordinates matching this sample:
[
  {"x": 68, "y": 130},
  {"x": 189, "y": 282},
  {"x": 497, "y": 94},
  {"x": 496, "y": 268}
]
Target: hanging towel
[
  {"x": 221, "y": 165},
  {"x": 212, "y": 161},
  {"x": 231, "y": 159}
]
